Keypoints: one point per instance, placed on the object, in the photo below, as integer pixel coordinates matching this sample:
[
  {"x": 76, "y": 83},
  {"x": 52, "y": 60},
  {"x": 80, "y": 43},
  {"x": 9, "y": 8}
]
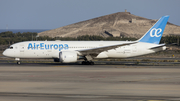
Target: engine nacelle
[{"x": 67, "y": 57}]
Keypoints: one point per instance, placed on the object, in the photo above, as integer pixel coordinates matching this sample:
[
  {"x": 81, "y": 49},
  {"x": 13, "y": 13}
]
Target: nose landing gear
[{"x": 18, "y": 61}]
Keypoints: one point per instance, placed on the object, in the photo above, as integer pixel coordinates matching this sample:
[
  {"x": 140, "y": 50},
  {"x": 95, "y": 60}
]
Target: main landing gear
[
  {"x": 88, "y": 60},
  {"x": 87, "y": 63}
]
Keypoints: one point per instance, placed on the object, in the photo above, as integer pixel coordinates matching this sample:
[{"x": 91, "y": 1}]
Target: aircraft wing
[{"x": 96, "y": 51}]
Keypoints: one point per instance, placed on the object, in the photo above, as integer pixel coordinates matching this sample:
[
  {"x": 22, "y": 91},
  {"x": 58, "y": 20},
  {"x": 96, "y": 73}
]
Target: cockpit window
[{"x": 11, "y": 47}]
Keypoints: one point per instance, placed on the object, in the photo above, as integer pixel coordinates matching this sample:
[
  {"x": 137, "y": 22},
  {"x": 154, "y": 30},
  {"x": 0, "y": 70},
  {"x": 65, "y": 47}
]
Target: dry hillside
[{"x": 117, "y": 24}]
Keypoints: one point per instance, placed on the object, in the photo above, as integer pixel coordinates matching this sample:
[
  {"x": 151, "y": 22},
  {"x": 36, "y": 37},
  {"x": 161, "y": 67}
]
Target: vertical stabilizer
[{"x": 154, "y": 34}]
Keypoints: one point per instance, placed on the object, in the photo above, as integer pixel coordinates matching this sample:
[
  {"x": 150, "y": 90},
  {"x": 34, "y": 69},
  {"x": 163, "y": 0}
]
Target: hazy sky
[{"x": 51, "y": 14}]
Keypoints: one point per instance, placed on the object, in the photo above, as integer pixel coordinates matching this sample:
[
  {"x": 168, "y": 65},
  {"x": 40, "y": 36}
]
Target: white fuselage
[
  {"x": 51, "y": 49},
  {"x": 71, "y": 51}
]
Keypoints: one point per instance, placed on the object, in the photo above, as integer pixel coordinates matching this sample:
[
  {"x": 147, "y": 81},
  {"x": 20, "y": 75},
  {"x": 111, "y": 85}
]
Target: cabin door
[{"x": 21, "y": 50}]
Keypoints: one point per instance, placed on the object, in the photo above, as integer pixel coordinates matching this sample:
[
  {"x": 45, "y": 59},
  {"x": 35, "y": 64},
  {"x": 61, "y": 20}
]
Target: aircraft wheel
[
  {"x": 18, "y": 62},
  {"x": 83, "y": 62},
  {"x": 87, "y": 63},
  {"x": 91, "y": 63}
]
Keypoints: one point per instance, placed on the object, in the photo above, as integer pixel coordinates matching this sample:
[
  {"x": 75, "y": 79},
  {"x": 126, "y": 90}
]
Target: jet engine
[{"x": 67, "y": 56}]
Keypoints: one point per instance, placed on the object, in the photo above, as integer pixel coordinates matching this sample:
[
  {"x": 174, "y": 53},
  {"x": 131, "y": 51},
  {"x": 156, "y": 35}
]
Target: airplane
[{"x": 72, "y": 51}]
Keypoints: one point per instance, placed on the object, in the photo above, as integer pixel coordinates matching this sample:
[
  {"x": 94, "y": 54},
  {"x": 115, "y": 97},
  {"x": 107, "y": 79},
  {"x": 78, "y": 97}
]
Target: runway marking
[
  {"x": 59, "y": 66},
  {"x": 86, "y": 96},
  {"x": 131, "y": 67}
]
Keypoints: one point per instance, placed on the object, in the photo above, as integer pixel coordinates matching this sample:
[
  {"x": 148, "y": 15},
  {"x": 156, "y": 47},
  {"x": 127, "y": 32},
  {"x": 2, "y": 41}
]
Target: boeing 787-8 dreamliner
[{"x": 71, "y": 51}]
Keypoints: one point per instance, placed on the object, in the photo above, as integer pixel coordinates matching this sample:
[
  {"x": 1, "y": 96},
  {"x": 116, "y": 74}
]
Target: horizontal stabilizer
[{"x": 161, "y": 45}]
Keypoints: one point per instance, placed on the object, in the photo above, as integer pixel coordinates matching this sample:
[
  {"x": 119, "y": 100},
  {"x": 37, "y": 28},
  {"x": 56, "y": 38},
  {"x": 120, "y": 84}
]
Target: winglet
[{"x": 154, "y": 34}]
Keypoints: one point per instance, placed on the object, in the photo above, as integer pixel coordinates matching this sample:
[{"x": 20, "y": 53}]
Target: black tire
[
  {"x": 91, "y": 63},
  {"x": 83, "y": 62},
  {"x": 18, "y": 62},
  {"x": 87, "y": 63}
]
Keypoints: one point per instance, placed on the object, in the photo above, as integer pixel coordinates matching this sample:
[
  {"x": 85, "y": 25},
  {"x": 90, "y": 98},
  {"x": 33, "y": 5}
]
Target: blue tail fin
[{"x": 154, "y": 34}]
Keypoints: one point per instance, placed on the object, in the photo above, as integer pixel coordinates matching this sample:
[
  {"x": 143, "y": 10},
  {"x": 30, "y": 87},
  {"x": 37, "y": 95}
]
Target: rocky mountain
[{"x": 123, "y": 24}]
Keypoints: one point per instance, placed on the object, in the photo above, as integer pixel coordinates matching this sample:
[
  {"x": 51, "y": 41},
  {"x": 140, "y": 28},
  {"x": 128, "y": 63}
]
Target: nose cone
[
  {"x": 5, "y": 53},
  {"x": 8, "y": 53}
]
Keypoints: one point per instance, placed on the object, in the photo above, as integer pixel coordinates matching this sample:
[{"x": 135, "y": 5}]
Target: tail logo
[{"x": 155, "y": 32}]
